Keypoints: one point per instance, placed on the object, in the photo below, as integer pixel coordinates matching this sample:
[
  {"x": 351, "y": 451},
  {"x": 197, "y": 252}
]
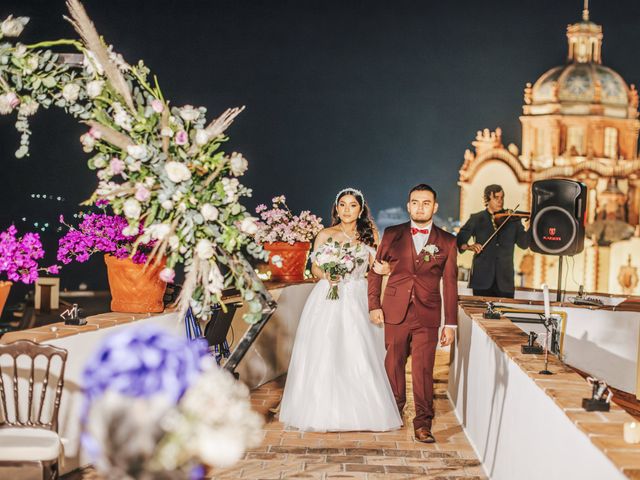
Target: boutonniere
[{"x": 430, "y": 251}]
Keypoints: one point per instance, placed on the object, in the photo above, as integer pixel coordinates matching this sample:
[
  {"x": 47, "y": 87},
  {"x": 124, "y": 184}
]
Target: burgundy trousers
[{"x": 412, "y": 338}]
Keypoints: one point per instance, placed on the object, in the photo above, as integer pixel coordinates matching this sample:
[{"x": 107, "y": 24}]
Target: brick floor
[
  {"x": 364, "y": 455},
  {"x": 361, "y": 455}
]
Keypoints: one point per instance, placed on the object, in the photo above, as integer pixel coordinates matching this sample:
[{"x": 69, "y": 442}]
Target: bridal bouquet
[{"x": 337, "y": 260}]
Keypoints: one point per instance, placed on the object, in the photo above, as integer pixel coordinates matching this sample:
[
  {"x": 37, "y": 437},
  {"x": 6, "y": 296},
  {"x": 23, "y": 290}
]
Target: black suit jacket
[{"x": 495, "y": 262}]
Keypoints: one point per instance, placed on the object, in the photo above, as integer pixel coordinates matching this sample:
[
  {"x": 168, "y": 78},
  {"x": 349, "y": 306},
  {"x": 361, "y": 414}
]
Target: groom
[{"x": 420, "y": 255}]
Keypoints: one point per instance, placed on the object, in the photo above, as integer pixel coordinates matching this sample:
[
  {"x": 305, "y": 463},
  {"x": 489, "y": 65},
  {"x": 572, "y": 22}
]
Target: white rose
[
  {"x": 130, "y": 231},
  {"x": 137, "y": 151},
  {"x": 167, "y": 205},
  {"x": 131, "y": 208},
  {"x": 238, "y": 164},
  {"x": 209, "y": 212},
  {"x": 204, "y": 249},
  {"x": 12, "y": 27},
  {"x": 189, "y": 113},
  {"x": 166, "y": 132},
  {"x": 159, "y": 231},
  {"x": 249, "y": 226},
  {"x": 177, "y": 172},
  {"x": 202, "y": 137},
  {"x": 94, "y": 88},
  {"x": 70, "y": 92}
]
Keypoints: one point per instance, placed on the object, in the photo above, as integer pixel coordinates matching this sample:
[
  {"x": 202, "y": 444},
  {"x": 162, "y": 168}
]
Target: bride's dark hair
[{"x": 364, "y": 223}]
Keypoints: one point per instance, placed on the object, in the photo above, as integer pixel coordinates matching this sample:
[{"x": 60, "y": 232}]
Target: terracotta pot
[
  {"x": 294, "y": 260},
  {"x": 4, "y": 293},
  {"x": 134, "y": 289}
]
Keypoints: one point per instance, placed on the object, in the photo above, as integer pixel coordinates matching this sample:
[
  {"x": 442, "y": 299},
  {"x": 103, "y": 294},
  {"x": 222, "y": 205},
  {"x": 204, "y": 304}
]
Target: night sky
[{"x": 376, "y": 95}]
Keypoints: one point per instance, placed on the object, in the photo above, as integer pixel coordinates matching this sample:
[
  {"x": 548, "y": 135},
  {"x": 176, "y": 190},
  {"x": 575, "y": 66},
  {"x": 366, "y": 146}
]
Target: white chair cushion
[{"x": 28, "y": 444}]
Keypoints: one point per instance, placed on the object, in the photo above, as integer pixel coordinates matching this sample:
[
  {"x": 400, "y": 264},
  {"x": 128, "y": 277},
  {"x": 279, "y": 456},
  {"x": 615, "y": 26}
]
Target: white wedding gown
[{"x": 336, "y": 379}]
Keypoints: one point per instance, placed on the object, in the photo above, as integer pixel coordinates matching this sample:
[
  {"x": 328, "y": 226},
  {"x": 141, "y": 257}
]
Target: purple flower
[
  {"x": 53, "y": 269},
  {"x": 181, "y": 137},
  {"x": 141, "y": 362},
  {"x": 102, "y": 202},
  {"x": 19, "y": 255}
]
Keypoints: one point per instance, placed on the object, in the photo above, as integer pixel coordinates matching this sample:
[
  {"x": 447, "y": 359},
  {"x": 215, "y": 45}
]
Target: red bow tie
[{"x": 415, "y": 231}]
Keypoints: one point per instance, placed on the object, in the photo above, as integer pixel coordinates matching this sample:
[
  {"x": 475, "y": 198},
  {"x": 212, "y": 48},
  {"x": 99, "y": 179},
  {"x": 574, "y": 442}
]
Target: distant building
[{"x": 580, "y": 121}]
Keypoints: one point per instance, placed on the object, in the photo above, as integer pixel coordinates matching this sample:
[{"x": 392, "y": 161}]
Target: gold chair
[{"x": 29, "y": 426}]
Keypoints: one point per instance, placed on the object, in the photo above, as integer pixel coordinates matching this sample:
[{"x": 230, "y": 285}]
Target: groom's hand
[
  {"x": 447, "y": 337},
  {"x": 376, "y": 316}
]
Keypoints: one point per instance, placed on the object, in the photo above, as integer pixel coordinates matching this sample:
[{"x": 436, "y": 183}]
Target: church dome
[{"x": 583, "y": 86}]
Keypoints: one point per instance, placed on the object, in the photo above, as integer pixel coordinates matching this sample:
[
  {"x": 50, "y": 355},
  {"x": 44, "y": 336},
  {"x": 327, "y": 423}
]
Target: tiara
[{"x": 350, "y": 189}]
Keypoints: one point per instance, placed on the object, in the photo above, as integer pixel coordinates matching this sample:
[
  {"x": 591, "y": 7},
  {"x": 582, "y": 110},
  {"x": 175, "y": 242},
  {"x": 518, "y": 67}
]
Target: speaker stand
[{"x": 559, "y": 289}]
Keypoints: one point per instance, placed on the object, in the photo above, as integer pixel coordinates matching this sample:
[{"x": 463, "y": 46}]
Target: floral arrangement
[
  {"x": 430, "y": 252},
  {"x": 101, "y": 232},
  {"x": 337, "y": 260},
  {"x": 19, "y": 256},
  {"x": 157, "y": 406},
  {"x": 159, "y": 166},
  {"x": 279, "y": 224}
]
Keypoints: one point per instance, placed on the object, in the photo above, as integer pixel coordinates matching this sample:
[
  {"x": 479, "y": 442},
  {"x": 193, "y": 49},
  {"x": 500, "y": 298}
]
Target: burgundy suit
[{"x": 412, "y": 309}]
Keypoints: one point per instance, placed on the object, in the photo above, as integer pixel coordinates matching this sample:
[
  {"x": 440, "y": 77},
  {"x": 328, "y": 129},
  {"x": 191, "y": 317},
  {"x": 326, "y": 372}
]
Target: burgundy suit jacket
[{"x": 414, "y": 278}]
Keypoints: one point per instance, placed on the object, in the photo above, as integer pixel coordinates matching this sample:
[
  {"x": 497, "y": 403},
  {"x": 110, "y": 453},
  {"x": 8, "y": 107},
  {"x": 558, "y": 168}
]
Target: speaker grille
[{"x": 554, "y": 230}]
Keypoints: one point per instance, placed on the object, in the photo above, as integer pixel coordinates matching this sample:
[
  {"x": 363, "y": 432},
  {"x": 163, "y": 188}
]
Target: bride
[{"x": 337, "y": 380}]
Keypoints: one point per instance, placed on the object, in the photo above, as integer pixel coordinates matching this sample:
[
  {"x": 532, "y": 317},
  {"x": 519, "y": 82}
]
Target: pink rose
[
  {"x": 116, "y": 165},
  {"x": 182, "y": 138},
  {"x": 142, "y": 193},
  {"x": 167, "y": 275},
  {"x": 157, "y": 105}
]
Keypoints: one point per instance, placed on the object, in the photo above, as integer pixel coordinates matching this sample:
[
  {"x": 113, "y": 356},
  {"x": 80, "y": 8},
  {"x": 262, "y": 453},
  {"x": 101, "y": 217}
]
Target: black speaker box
[{"x": 558, "y": 212}]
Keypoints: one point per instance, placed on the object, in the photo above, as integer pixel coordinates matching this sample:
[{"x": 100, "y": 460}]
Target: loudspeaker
[{"x": 558, "y": 211}]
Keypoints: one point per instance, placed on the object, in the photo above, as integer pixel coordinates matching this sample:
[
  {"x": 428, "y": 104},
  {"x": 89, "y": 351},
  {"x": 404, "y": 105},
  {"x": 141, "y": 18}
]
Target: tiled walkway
[{"x": 392, "y": 455}]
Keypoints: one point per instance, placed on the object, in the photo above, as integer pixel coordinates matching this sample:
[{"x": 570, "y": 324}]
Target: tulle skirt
[{"x": 336, "y": 379}]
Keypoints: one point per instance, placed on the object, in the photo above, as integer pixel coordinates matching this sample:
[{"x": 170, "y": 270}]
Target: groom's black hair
[{"x": 424, "y": 187}]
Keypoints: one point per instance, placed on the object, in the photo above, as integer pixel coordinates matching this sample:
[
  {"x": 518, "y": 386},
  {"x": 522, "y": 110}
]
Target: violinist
[{"x": 495, "y": 234}]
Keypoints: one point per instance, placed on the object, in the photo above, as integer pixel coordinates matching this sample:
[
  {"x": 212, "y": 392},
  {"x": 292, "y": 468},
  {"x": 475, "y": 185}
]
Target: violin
[{"x": 506, "y": 215}]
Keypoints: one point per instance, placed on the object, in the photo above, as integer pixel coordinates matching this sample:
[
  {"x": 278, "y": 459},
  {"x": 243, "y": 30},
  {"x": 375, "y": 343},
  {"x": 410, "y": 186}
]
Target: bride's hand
[
  {"x": 333, "y": 280},
  {"x": 381, "y": 268}
]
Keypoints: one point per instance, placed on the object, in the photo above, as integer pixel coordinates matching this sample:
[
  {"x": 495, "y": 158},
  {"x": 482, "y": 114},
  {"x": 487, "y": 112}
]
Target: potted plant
[
  {"x": 135, "y": 286},
  {"x": 287, "y": 238},
  {"x": 19, "y": 260}
]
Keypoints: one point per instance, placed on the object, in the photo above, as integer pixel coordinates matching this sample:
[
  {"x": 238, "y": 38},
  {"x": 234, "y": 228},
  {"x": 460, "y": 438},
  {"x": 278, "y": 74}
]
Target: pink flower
[
  {"x": 53, "y": 269},
  {"x": 116, "y": 165},
  {"x": 95, "y": 133},
  {"x": 167, "y": 275},
  {"x": 142, "y": 193},
  {"x": 182, "y": 138},
  {"x": 157, "y": 105}
]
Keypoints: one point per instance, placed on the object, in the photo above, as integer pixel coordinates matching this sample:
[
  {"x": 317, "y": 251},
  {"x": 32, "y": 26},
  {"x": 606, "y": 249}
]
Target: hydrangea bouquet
[
  {"x": 157, "y": 406},
  {"x": 160, "y": 166},
  {"x": 19, "y": 256},
  {"x": 279, "y": 224}
]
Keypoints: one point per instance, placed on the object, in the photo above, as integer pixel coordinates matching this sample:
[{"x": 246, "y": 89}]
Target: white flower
[
  {"x": 215, "y": 280},
  {"x": 8, "y": 101},
  {"x": 166, "y": 132},
  {"x": 121, "y": 118},
  {"x": 12, "y": 27},
  {"x": 137, "y": 151},
  {"x": 32, "y": 64},
  {"x": 28, "y": 107},
  {"x": 189, "y": 113},
  {"x": 70, "y": 92},
  {"x": 100, "y": 162},
  {"x": 431, "y": 249},
  {"x": 177, "y": 172},
  {"x": 249, "y": 226},
  {"x": 94, "y": 88},
  {"x": 133, "y": 166},
  {"x": 174, "y": 241},
  {"x": 20, "y": 50},
  {"x": 202, "y": 137},
  {"x": 277, "y": 261},
  {"x": 167, "y": 205},
  {"x": 130, "y": 230},
  {"x": 91, "y": 64},
  {"x": 209, "y": 212},
  {"x": 132, "y": 208},
  {"x": 159, "y": 231},
  {"x": 88, "y": 142},
  {"x": 204, "y": 249},
  {"x": 220, "y": 447},
  {"x": 238, "y": 164},
  {"x": 230, "y": 187}
]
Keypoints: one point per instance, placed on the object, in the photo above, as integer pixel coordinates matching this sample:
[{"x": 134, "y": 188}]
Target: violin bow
[{"x": 495, "y": 232}]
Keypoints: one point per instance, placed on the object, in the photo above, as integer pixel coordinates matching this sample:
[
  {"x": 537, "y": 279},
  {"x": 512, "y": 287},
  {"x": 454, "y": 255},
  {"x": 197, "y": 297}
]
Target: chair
[{"x": 29, "y": 430}]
